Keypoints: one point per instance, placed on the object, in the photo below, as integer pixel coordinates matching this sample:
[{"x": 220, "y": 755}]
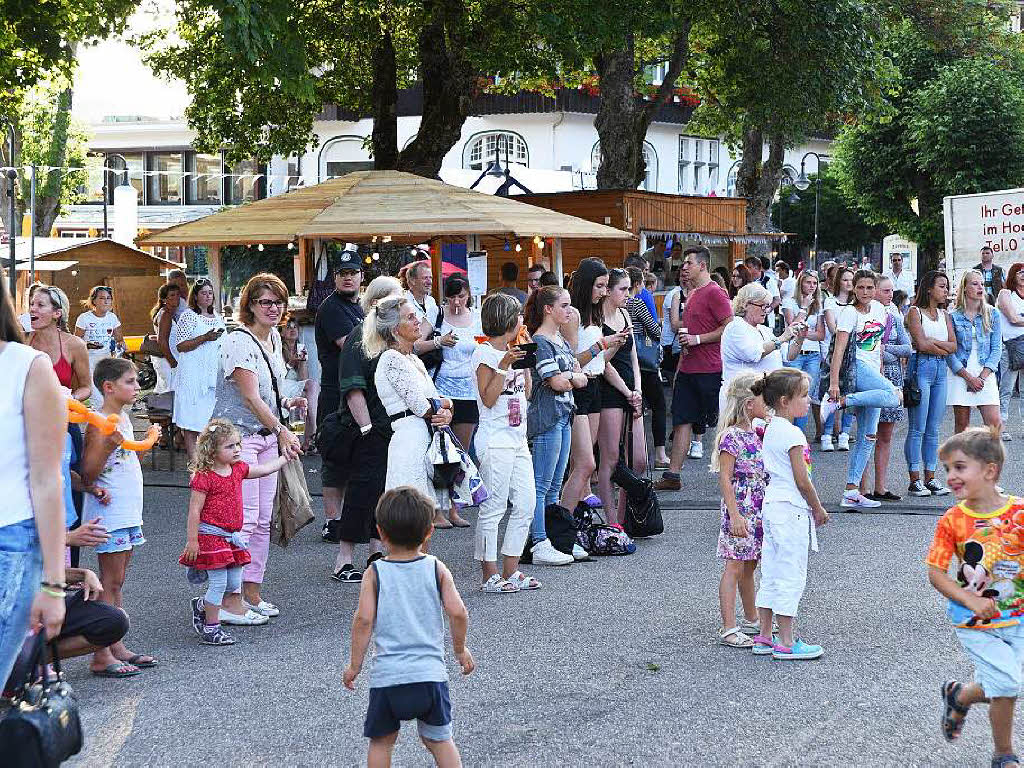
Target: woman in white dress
[
  {"x": 196, "y": 339},
  {"x": 100, "y": 328},
  {"x": 405, "y": 390},
  {"x": 979, "y": 345},
  {"x": 748, "y": 345},
  {"x": 167, "y": 296}
]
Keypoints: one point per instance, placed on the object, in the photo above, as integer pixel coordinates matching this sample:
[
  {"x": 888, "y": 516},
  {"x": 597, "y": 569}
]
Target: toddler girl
[
  {"x": 741, "y": 478},
  {"x": 789, "y": 501},
  {"x": 216, "y": 550}
]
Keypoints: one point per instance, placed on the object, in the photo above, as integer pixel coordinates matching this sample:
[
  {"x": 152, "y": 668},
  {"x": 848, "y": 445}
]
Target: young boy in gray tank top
[{"x": 402, "y": 600}]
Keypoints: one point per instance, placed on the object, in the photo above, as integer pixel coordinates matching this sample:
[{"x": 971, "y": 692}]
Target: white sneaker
[
  {"x": 828, "y": 407},
  {"x": 696, "y": 450},
  {"x": 247, "y": 619},
  {"x": 1007, "y": 437},
  {"x": 579, "y": 553},
  {"x": 843, "y": 442},
  {"x": 264, "y": 608},
  {"x": 826, "y": 443},
  {"x": 544, "y": 553},
  {"x": 856, "y": 500}
]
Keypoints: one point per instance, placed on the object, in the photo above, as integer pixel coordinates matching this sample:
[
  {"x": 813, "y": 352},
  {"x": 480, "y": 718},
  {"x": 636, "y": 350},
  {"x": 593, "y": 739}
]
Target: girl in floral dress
[{"x": 742, "y": 480}]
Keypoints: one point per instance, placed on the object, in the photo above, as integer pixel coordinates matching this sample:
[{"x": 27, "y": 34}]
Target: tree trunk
[
  {"x": 447, "y": 80},
  {"x": 384, "y": 95},
  {"x": 7, "y": 160},
  {"x": 48, "y": 193},
  {"x": 757, "y": 179},
  {"x": 623, "y": 117}
]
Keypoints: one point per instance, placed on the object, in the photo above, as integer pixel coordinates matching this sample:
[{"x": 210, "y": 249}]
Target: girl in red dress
[{"x": 216, "y": 548}]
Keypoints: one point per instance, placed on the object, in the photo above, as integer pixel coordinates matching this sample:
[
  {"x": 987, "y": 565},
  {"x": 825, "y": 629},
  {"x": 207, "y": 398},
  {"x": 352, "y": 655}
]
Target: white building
[{"x": 551, "y": 145}]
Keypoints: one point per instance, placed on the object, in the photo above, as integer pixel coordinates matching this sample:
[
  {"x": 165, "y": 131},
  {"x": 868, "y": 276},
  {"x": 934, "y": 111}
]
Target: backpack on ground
[{"x": 597, "y": 537}]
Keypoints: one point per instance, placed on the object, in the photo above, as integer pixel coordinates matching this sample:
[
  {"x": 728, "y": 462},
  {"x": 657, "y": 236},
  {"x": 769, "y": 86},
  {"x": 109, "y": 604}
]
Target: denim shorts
[
  {"x": 428, "y": 703},
  {"x": 997, "y": 655},
  {"x": 20, "y": 565},
  {"x": 122, "y": 540}
]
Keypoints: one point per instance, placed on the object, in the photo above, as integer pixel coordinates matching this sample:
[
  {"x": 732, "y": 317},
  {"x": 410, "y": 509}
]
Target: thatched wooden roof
[{"x": 364, "y": 204}]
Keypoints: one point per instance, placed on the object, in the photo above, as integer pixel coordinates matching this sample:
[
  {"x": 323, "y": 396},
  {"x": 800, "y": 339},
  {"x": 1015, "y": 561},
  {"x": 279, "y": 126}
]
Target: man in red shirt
[{"x": 695, "y": 393}]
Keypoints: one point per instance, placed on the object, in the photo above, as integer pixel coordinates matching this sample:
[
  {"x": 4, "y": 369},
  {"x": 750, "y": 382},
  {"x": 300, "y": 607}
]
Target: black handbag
[
  {"x": 41, "y": 729},
  {"x": 643, "y": 512},
  {"x": 911, "y": 388},
  {"x": 433, "y": 358}
]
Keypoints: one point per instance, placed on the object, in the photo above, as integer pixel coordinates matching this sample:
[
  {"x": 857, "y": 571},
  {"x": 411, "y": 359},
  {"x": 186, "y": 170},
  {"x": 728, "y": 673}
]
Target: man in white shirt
[
  {"x": 758, "y": 275},
  {"x": 787, "y": 282},
  {"x": 902, "y": 279},
  {"x": 420, "y": 281}
]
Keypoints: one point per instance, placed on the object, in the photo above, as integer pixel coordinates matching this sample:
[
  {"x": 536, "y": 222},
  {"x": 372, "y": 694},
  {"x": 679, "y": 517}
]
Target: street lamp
[
  {"x": 106, "y": 170},
  {"x": 12, "y": 177},
  {"x": 802, "y": 183}
]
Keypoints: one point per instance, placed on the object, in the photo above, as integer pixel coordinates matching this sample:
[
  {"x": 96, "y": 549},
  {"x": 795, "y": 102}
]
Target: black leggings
[{"x": 654, "y": 395}]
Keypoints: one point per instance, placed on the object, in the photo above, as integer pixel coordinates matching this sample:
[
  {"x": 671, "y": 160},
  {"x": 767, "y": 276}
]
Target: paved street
[{"x": 613, "y": 662}]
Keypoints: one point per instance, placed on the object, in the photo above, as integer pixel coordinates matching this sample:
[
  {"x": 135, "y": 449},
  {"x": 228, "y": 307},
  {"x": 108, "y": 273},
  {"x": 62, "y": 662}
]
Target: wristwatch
[
  {"x": 365, "y": 430},
  {"x": 278, "y": 428}
]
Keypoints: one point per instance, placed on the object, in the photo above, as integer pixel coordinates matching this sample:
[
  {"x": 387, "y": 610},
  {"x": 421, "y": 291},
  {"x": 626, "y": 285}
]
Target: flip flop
[
  {"x": 137, "y": 661},
  {"x": 117, "y": 669},
  {"x": 462, "y": 524}
]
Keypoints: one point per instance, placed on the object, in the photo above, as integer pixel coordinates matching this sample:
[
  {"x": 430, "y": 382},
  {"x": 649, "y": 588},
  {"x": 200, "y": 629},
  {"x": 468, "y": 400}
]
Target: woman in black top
[{"x": 620, "y": 397}]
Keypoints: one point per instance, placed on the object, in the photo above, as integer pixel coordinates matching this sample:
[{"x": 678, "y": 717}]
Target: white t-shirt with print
[
  {"x": 500, "y": 427},
  {"x": 866, "y": 331},
  {"x": 98, "y": 330},
  {"x": 779, "y": 437}
]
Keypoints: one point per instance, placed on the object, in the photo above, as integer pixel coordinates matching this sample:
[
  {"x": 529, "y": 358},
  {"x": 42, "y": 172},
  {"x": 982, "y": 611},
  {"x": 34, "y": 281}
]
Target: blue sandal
[{"x": 1001, "y": 761}]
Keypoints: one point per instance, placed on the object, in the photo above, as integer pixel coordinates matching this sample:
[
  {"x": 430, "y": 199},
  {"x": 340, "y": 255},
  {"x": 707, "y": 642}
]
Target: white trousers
[
  {"x": 783, "y": 557},
  {"x": 508, "y": 476}
]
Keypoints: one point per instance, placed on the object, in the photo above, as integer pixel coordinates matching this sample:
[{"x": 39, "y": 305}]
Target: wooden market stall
[
  {"x": 75, "y": 265},
  {"x": 389, "y": 206}
]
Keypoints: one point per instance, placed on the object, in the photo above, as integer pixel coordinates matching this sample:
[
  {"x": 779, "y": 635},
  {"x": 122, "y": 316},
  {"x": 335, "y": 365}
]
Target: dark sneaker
[
  {"x": 917, "y": 488},
  {"x": 216, "y": 636},
  {"x": 937, "y": 488},
  {"x": 198, "y": 615},
  {"x": 347, "y": 574},
  {"x": 330, "y": 532},
  {"x": 373, "y": 558},
  {"x": 668, "y": 483}
]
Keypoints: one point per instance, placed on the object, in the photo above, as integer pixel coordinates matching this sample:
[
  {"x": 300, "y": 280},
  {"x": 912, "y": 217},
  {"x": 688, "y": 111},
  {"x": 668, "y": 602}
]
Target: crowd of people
[{"x": 545, "y": 391}]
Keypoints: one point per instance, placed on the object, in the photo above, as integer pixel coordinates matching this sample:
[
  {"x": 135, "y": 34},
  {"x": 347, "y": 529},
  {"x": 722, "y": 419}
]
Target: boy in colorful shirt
[{"x": 985, "y": 531}]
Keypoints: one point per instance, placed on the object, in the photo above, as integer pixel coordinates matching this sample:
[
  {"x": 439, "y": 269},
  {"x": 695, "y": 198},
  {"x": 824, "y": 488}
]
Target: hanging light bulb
[
  {"x": 386, "y": 238},
  {"x": 367, "y": 259},
  {"x": 376, "y": 257},
  {"x": 540, "y": 244},
  {"x": 259, "y": 247},
  {"x": 519, "y": 248},
  {"x": 536, "y": 239},
  {"x": 291, "y": 246}
]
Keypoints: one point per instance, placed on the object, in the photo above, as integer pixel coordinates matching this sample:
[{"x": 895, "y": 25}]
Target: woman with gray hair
[
  {"x": 389, "y": 331},
  {"x": 748, "y": 345}
]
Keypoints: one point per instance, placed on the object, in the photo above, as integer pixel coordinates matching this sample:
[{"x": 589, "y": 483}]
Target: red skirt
[{"x": 216, "y": 552}]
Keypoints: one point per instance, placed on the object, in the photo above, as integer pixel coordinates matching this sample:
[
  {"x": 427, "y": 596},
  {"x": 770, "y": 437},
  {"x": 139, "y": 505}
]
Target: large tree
[
  {"x": 259, "y": 74},
  {"x": 952, "y": 123},
  {"x": 771, "y": 73}
]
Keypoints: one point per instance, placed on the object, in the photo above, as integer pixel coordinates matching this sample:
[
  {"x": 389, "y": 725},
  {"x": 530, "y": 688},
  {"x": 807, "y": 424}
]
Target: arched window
[
  {"x": 482, "y": 148},
  {"x": 341, "y": 155},
  {"x": 650, "y": 182}
]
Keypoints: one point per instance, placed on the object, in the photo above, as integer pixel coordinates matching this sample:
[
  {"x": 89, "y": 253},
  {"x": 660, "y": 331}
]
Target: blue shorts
[
  {"x": 427, "y": 703},
  {"x": 122, "y": 540},
  {"x": 998, "y": 655}
]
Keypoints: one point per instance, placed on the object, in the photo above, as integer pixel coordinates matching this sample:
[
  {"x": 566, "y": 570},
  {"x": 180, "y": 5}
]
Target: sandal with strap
[
  {"x": 739, "y": 640},
  {"x": 498, "y": 586},
  {"x": 1001, "y": 761},
  {"x": 522, "y": 581},
  {"x": 951, "y": 726}
]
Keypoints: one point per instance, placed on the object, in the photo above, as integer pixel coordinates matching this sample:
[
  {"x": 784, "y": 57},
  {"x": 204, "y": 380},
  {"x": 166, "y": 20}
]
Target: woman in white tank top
[
  {"x": 931, "y": 331},
  {"x": 1011, "y": 303},
  {"x": 33, "y": 421}
]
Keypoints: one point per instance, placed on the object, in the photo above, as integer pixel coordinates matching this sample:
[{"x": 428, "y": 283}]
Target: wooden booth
[
  {"x": 75, "y": 265},
  {"x": 390, "y": 206}
]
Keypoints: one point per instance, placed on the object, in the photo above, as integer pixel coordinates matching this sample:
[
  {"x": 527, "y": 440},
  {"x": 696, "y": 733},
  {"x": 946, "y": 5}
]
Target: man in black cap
[{"x": 336, "y": 317}]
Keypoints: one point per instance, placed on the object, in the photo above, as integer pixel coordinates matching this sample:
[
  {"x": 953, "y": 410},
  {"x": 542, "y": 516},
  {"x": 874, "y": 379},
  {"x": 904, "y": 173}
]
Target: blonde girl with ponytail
[{"x": 742, "y": 480}]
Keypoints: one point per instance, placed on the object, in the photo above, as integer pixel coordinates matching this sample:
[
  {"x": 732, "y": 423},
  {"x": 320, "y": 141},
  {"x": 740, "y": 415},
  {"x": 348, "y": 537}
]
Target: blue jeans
[
  {"x": 550, "y": 456},
  {"x": 874, "y": 392},
  {"x": 925, "y": 419},
  {"x": 21, "y": 562},
  {"x": 809, "y": 364}
]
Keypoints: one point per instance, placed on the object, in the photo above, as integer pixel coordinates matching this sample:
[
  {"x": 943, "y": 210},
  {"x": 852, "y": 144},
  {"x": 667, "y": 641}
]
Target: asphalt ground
[{"x": 614, "y": 662}]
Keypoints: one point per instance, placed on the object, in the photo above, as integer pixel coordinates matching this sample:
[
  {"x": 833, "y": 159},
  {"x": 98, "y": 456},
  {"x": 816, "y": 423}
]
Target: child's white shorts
[{"x": 783, "y": 557}]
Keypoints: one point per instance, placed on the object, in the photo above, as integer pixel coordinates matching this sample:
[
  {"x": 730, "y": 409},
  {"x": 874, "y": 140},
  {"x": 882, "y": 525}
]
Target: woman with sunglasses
[
  {"x": 748, "y": 345},
  {"x": 101, "y": 330},
  {"x": 48, "y": 312},
  {"x": 197, "y": 337}
]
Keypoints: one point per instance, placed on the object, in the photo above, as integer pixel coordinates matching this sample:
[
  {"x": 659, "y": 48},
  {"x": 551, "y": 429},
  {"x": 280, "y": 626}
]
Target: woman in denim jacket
[{"x": 979, "y": 345}]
